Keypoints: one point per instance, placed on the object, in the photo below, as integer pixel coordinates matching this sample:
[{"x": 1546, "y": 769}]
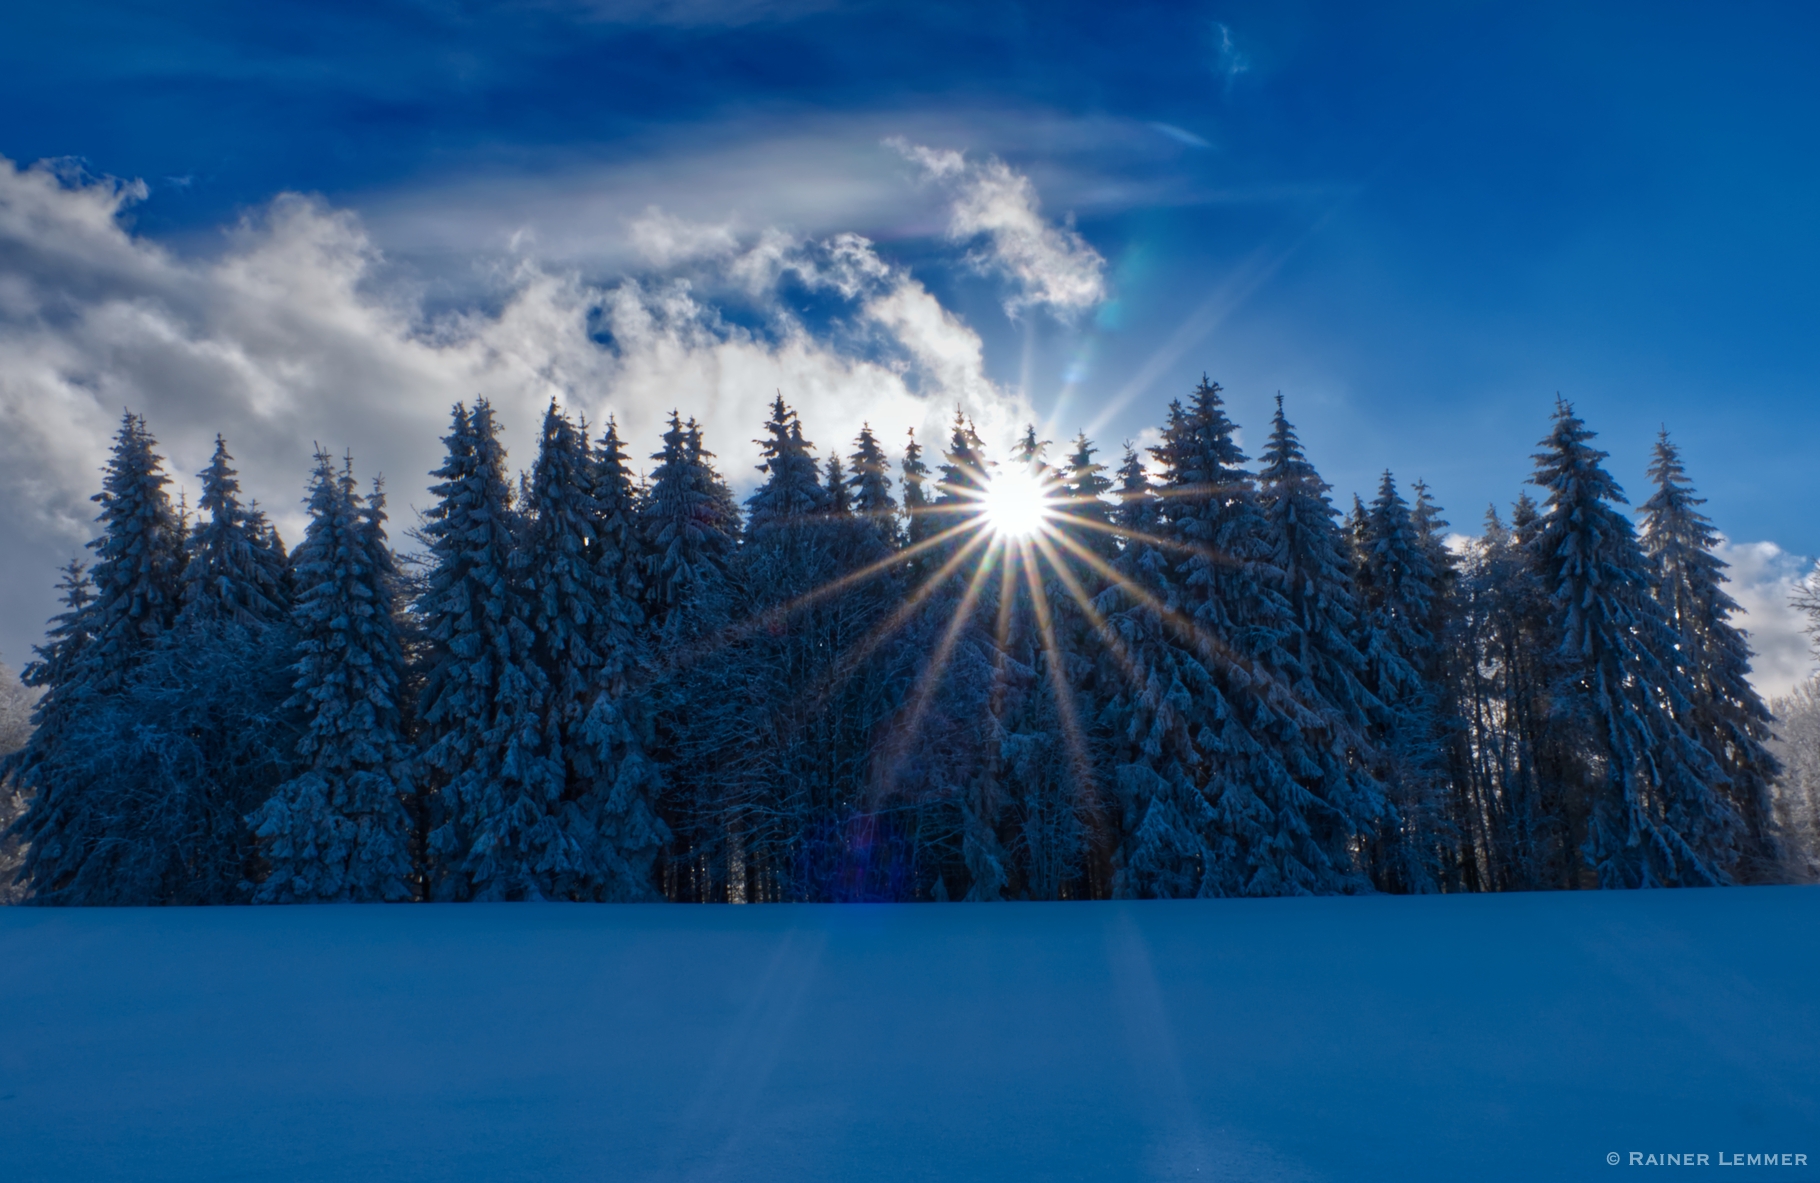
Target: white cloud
[
  {"x": 295, "y": 334},
  {"x": 1763, "y": 577},
  {"x": 1050, "y": 266},
  {"x": 666, "y": 240}
]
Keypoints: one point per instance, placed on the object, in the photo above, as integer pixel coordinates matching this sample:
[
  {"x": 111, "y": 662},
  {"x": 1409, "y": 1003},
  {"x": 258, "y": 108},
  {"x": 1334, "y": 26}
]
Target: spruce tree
[
  {"x": 917, "y": 524},
  {"x": 1308, "y": 546},
  {"x": 965, "y": 679},
  {"x": 29, "y": 768},
  {"x": 1081, "y": 508},
  {"x": 839, "y": 497},
  {"x": 611, "y": 748},
  {"x": 848, "y": 681},
  {"x": 484, "y": 697},
  {"x": 340, "y": 831},
  {"x": 1048, "y": 642},
  {"x": 941, "y": 763},
  {"x": 771, "y": 784},
  {"x": 99, "y": 829},
  {"x": 1714, "y": 656},
  {"x": 617, "y": 541},
  {"x": 236, "y": 569},
  {"x": 139, "y": 559},
  {"x": 1657, "y": 814},
  {"x": 688, "y": 537},
  {"x": 965, "y": 473},
  {"x": 870, "y": 485},
  {"x": 1150, "y": 715},
  {"x": 561, "y": 585},
  {"x": 1399, "y": 586},
  {"x": 1495, "y": 781},
  {"x": 1538, "y": 780},
  {"x": 1283, "y": 822},
  {"x": 568, "y": 600}
]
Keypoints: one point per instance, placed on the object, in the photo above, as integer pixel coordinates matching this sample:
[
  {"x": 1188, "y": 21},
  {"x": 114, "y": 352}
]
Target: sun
[{"x": 1016, "y": 503}]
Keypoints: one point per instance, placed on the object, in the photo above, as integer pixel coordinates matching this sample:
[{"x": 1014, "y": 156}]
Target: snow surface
[{"x": 1518, "y": 1037}]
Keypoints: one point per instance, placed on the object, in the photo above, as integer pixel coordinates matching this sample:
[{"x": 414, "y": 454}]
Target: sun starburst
[{"x": 1017, "y": 503}]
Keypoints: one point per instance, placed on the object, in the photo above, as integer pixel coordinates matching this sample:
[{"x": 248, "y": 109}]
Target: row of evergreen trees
[{"x": 1197, "y": 680}]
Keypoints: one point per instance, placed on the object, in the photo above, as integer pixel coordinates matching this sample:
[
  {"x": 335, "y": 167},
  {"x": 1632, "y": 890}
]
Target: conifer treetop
[{"x": 138, "y": 557}]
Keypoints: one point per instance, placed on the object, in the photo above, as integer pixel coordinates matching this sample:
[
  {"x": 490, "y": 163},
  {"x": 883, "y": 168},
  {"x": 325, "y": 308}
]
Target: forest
[{"x": 930, "y": 675}]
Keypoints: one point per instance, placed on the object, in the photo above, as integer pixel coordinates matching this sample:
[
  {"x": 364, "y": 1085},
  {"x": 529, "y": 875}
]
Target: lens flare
[{"x": 1016, "y": 503}]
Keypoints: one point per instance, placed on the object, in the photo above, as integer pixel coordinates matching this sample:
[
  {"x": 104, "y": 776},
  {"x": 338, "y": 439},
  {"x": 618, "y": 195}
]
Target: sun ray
[
  {"x": 1058, "y": 684},
  {"x": 1114, "y": 643},
  {"x": 869, "y": 571},
  {"x": 1156, "y": 540},
  {"x": 850, "y": 661},
  {"x": 938, "y": 661},
  {"x": 1184, "y": 625},
  {"x": 1007, "y": 593},
  {"x": 1206, "y": 645},
  {"x": 776, "y": 615}
]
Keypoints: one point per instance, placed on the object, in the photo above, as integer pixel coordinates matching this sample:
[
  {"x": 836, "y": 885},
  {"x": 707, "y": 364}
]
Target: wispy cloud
[
  {"x": 1049, "y": 266},
  {"x": 1180, "y": 135},
  {"x": 1230, "y": 62}
]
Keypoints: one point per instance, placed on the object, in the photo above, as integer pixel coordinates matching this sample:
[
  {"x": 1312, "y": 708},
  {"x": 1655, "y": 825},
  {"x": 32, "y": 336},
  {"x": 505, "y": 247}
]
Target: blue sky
[{"x": 1417, "y": 222}]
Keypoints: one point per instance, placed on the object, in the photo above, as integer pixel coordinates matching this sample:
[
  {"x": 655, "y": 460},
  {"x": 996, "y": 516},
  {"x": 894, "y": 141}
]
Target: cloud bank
[{"x": 297, "y": 333}]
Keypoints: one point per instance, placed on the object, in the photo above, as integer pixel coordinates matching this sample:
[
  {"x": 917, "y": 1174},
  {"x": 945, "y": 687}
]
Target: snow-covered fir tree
[
  {"x": 340, "y": 831},
  {"x": 1164, "y": 816},
  {"x": 62, "y": 694},
  {"x": 1657, "y": 814},
  {"x": 1399, "y": 585},
  {"x": 870, "y": 486},
  {"x": 498, "y": 781},
  {"x": 139, "y": 560},
  {"x": 1728, "y": 715},
  {"x": 689, "y": 535},
  {"x": 941, "y": 760},
  {"x": 236, "y": 567},
  {"x": 90, "y": 839},
  {"x": 768, "y": 781},
  {"x": 1281, "y": 823},
  {"x": 1049, "y": 642},
  {"x": 1308, "y": 546},
  {"x": 1501, "y": 669},
  {"x": 600, "y": 835},
  {"x": 918, "y": 525},
  {"x": 1081, "y": 508},
  {"x": 610, "y": 748}
]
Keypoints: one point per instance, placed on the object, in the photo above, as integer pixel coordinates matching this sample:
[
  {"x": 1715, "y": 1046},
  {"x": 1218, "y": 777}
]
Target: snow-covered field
[{"x": 1519, "y": 1037}]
